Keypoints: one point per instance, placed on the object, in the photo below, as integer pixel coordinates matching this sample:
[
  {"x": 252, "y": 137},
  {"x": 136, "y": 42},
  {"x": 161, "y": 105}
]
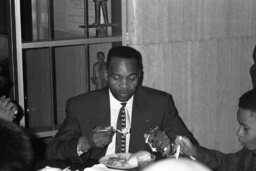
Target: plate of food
[
  {"x": 118, "y": 161},
  {"x": 124, "y": 161}
]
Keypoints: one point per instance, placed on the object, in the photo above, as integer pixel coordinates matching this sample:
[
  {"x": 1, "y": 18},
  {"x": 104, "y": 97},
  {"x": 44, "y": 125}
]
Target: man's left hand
[{"x": 159, "y": 140}]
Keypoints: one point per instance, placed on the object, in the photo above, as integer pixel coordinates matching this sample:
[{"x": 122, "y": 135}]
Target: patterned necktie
[{"x": 121, "y": 124}]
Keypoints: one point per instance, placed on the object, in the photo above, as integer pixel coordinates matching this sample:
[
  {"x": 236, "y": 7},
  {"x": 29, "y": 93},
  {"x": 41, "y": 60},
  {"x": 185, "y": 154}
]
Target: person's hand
[
  {"x": 101, "y": 136},
  {"x": 186, "y": 146},
  {"x": 158, "y": 140},
  {"x": 8, "y": 110}
]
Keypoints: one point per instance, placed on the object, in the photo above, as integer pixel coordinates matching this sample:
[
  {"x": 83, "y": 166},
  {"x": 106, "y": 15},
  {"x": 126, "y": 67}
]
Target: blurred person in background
[
  {"x": 8, "y": 109},
  {"x": 15, "y": 148}
]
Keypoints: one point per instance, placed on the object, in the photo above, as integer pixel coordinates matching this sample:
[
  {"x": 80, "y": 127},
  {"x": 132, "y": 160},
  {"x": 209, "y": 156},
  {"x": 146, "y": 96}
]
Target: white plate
[{"x": 117, "y": 161}]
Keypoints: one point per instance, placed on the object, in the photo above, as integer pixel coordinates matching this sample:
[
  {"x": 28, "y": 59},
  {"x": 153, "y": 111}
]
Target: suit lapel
[
  {"x": 140, "y": 123},
  {"x": 104, "y": 108},
  {"x": 103, "y": 115}
]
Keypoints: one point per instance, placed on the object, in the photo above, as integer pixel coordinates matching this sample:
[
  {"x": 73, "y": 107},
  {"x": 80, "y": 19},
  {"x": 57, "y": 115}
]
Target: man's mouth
[
  {"x": 124, "y": 92},
  {"x": 242, "y": 143}
]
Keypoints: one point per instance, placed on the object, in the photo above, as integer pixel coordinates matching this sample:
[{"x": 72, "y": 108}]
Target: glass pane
[
  {"x": 88, "y": 18},
  {"x": 68, "y": 15},
  {"x": 3, "y": 17},
  {"x": 103, "y": 18},
  {"x": 6, "y": 82},
  {"x": 34, "y": 20},
  {"x": 50, "y": 78},
  {"x": 70, "y": 19}
]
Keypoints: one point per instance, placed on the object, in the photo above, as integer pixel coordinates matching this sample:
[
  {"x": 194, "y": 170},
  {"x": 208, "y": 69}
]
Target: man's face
[
  {"x": 123, "y": 78},
  {"x": 100, "y": 57},
  {"x": 247, "y": 129}
]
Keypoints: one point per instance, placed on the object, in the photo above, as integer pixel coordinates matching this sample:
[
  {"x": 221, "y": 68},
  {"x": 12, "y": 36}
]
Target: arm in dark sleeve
[
  {"x": 218, "y": 160},
  {"x": 64, "y": 145},
  {"x": 174, "y": 125}
]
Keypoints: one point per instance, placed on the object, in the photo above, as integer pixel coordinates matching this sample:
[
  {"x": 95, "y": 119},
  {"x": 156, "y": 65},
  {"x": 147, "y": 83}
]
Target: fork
[{"x": 114, "y": 130}]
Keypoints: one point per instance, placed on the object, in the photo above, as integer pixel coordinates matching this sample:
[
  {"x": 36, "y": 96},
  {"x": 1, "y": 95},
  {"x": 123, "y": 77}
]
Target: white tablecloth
[
  {"x": 100, "y": 167},
  {"x": 48, "y": 168},
  {"x": 97, "y": 167}
]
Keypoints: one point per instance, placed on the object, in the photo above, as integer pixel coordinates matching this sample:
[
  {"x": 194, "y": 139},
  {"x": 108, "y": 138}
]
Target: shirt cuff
[{"x": 79, "y": 149}]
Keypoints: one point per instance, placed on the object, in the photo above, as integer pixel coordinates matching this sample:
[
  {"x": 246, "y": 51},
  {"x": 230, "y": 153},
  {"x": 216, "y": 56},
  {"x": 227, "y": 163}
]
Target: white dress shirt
[{"x": 115, "y": 106}]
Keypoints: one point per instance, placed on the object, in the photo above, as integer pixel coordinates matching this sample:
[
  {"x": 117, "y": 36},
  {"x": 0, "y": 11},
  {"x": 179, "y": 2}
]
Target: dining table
[
  {"x": 92, "y": 165},
  {"x": 62, "y": 164}
]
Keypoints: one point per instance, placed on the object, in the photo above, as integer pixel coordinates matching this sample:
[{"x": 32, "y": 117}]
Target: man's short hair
[
  {"x": 248, "y": 100},
  {"x": 16, "y": 153},
  {"x": 100, "y": 53},
  {"x": 125, "y": 52}
]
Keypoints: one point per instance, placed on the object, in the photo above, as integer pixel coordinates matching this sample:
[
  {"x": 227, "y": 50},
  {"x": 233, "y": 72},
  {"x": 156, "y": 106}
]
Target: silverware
[
  {"x": 124, "y": 131},
  {"x": 177, "y": 154}
]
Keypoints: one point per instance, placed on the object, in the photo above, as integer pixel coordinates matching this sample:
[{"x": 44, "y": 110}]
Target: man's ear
[
  {"x": 140, "y": 77},
  {"x": 107, "y": 74},
  {"x": 140, "y": 74}
]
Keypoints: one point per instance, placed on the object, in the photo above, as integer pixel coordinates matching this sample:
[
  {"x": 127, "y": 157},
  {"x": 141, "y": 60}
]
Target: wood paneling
[
  {"x": 71, "y": 75},
  {"x": 50, "y": 82},
  {"x": 200, "y": 51},
  {"x": 38, "y": 87}
]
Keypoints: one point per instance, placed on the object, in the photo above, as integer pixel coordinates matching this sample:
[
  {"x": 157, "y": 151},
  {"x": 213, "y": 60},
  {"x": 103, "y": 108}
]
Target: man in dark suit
[{"x": 83, "y": 137}]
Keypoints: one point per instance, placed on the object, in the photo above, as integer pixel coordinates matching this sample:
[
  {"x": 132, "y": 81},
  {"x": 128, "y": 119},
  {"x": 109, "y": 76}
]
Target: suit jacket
[
  {"x": 243, "y": 160},
  {"x": 85, "y": 112}
]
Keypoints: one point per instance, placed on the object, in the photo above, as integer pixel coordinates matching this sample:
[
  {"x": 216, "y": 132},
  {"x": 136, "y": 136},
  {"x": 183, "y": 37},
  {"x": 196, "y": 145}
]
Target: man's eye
[
  {"x": 246, "y": 129},
  {"x": 132, "y": 78},
  {"x": 115, "y": 77}
]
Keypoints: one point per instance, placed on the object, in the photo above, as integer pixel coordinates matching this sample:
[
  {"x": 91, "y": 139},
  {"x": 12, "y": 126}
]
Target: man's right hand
[
  {"x": 99, "y": 138},
  {"x": 186, "y": 145}
]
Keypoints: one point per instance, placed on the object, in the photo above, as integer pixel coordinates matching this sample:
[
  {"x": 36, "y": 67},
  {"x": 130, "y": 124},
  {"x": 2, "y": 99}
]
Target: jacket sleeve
[
  {"x": 64, "y": 145},
  {"x": 174, "y": 125},
  {"x": 217, "y": 160}
]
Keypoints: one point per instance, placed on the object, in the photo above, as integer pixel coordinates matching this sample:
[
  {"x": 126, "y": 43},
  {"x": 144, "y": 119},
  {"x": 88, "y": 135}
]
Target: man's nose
[
  {"x": 239, "y": 132},
  {"x": 124, "y": 83}
]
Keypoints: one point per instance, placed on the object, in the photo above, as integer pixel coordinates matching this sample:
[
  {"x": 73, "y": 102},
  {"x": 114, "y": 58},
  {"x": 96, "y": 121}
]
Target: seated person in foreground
[
  {"x": 8, "y": 110},
  {"x": 16, "y": 153},
  {"x": 243, "y": 160},
  {"x": 82, "y": 136},
  {"x": 182, "y": 164}
]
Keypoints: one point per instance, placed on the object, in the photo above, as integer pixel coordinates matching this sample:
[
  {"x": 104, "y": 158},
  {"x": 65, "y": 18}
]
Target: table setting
[
  {"x": 117, "y": 162},
  {"x": 113, "y": 162},
  {"x": 123, "y": 161}
]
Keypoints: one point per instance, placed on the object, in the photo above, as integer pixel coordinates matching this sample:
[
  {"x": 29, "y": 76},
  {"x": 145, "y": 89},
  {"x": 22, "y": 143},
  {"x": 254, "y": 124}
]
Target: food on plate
[
  {"x": 127, "y": 160},
  {"x": 141, "y": 157},
  {"x": 116, "y": 160}
]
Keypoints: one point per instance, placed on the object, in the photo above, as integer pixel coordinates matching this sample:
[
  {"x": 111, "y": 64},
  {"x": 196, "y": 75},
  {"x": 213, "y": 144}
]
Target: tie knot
[{"x": 123, "y": 104}]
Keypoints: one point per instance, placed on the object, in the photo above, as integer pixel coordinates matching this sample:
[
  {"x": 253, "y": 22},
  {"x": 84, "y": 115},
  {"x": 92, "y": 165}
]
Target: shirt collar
[{"x": 114, "y": 103}]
